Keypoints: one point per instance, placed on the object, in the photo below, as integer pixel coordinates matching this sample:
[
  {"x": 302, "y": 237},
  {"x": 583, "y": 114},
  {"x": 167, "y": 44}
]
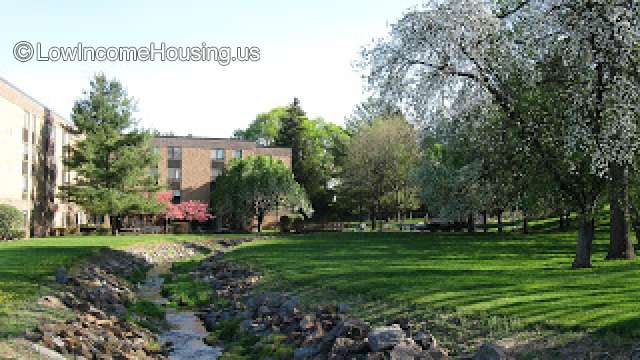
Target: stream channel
[{"x": 186, "y": 331}]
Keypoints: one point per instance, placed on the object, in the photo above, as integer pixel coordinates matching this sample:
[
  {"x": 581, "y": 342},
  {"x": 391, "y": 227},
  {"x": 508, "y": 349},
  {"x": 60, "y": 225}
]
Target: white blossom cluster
[
  {"x": 452, "y": 56},
  {"x": 599, "y": 43}
]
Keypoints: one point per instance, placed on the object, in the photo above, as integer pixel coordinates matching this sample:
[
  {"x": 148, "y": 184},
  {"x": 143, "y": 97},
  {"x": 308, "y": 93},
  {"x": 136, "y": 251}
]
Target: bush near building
[{"x": 11, "y": 223}]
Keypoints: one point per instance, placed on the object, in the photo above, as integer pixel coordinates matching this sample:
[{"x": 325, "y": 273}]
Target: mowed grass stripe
[{"x": 527, "y": 277}]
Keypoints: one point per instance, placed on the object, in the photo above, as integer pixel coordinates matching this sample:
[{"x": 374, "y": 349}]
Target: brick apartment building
[
  {"x": 32, "y": 143},
  {"x": 189, "y": 165},
  {"x": 32, "y": 147}
]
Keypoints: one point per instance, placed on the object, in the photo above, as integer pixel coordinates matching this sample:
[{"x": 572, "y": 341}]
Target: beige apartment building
[
  {"x": 190, "y": 165},
  {"x": 32, "y": 143}
]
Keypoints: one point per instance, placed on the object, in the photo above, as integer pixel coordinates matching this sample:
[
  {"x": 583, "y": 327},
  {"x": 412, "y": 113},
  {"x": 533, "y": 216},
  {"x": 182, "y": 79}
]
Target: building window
[
  {"x": 174, "y": 153},
  {"x": 51, "y": 136},
  {"x": 176, "y": 196},
  {"x": 217, "y": 154},
  {"x": 25, "y": 187},
  {"x": 215, "y": 172},
  {"x": 65, "y": 144},
  {"x": 25, "y": 213},
  {"x": 27, "y": 117},
  {"x": 33, "y": 130},
  {"x": 237, "y": 154},
  {"x": 174, "y": 174}
]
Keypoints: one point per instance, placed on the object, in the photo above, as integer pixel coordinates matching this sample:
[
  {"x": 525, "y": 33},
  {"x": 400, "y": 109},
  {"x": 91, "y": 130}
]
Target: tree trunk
[
  {"x": 484, "y": 221},
  {"x": 471, "y": 223},
  {"x": 373, "y": 219},
  {"x": 635, "y": 222},
  {"x": 398, "y": 205},
  {"x": 500, "y": 229},
  {"x": 636, "y": 229},
  {"x": 115, "y": 226},
  {"x": 525, "y": 224},
  {"x": 585, "y": 243},
  {"x": 260, "y": 219},
  {"x": 562, "y": 225},
  {"x": 620, "y": 245}
]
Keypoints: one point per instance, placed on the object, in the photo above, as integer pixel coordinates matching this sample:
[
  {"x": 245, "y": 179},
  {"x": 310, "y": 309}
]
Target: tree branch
[{"x": 508, "y": 12}]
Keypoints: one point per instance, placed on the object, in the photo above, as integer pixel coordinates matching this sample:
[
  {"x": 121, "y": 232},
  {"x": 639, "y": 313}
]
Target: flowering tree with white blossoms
[
  {"x": 598, "y": 42},
  {"x": 479, "y": 51}
]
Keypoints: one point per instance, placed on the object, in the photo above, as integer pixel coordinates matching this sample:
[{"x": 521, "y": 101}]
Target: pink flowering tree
[
  {"x": 190, "y": 211},
  {"x": 187, "y": 211}
]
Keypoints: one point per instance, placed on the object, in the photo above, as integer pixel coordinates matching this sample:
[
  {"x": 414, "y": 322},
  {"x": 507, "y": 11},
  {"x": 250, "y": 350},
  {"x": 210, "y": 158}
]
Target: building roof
[
  {"x": 212, "y": 143},
  {"x": 34, "y": 100}
]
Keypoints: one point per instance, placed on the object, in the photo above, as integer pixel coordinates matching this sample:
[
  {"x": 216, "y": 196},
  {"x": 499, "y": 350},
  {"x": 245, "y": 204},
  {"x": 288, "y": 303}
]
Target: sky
[{"x": 307, "y": 50}]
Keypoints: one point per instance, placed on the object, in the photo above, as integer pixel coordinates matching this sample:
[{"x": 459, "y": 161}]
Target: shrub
[
  {"x": 180, "y": 227},
  {"x": 87, "y": 229},
  {"x": 72, "y": 230},
  {"x": 298, "y": 225},
  {"x": 103, "y": 230},
  {"x": 285, "y": 224},
  {"x": 15, "y": 234},
  {"x": 11, "y": 222}
]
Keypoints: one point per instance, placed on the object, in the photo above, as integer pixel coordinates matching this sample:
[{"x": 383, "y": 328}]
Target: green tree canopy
[
  {"x": 254, "y": 186},
  {"x": 380, "y": 158},
  {"x": 11, "y": 222},
  {"x": 265, "y": 128},
  {"x": 113, "y": 159},
  {"x": 318, "y": 149}
]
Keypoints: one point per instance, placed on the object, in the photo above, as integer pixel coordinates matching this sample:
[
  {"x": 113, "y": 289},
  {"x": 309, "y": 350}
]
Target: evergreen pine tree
[
  {"x": 291, "y": 135},
  {"x": 113, "y": 159}
]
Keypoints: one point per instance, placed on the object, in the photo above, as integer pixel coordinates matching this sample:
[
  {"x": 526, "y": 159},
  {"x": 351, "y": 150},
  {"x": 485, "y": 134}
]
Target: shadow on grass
[
  {"x": 27, "y": 272},
  {"x": 23, "y": 270},
  {"x": 525, "y": 277}
]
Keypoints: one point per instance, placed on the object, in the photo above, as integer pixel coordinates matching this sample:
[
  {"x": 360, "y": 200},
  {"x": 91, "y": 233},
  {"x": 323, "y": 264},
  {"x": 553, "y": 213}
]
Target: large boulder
[
  {"x": 210, "y": 320},
  {"x": 308, "y": 322},
  {"x": 439, "y": 354},
  {"x": 290, "y": 306},
  {"x": 376, "y": 356},
  {"x": 385, "y": 337},
  {"x": 408, "y": 350},
  {"x": 51, "y": 301},
  {"x": 306, "y": 352},
  {"x": 490, "y": 352},
  {"x": 355, "y": 329},
  {"x": 344, "y": 348},
  {"x": 425, "y": 340},
  {"x": 61, "y": 276}
]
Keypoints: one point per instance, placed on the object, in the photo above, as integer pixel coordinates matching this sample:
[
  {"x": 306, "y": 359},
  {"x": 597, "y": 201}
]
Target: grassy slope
[
  {"x": 492, "y": 283},
  {"x": 27, "y": 268}
]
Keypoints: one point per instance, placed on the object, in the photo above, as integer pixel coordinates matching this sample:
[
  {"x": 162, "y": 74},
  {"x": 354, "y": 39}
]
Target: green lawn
[
  {"x": 471, "y": 286},
  {"x": 27, "y": 268}
]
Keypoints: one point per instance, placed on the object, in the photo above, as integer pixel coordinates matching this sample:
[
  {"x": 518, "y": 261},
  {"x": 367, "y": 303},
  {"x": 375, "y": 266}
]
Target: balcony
[
  {"x": 175, "y": 164},
  {"x": 173, "y": 184}
]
